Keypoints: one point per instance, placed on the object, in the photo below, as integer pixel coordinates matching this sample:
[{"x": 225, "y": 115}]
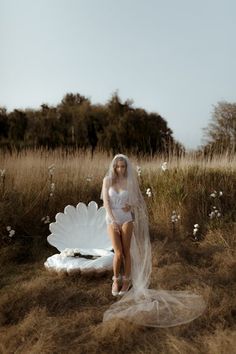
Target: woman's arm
[
  {"x": 127, "y": 207},
  {"x": 105, "y": 197}
]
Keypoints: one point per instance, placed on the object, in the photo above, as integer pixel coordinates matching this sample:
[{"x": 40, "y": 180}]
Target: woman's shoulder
[{"x": 107, "y": 180}]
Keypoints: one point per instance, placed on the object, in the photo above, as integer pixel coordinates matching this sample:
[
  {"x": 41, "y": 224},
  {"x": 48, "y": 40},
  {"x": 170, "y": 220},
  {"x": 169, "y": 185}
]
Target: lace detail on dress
[{"x": 117, "y": 201}]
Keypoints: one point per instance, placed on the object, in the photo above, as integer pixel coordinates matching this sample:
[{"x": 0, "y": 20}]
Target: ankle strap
[
  {"x": 126, "y": 278},
  {"x": 116, "y": 278}
]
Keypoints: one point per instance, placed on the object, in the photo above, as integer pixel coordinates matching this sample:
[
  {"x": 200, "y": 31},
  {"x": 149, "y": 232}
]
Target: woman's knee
[
  {"x": 127, "y": 253},
  {"x": 119, "y": 254}
]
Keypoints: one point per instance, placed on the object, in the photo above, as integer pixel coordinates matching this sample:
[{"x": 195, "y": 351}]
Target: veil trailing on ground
[{"x": 141, "y": 305}]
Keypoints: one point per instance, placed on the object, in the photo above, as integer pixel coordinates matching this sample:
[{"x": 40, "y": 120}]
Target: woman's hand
[{"x": 126, "y": 208}]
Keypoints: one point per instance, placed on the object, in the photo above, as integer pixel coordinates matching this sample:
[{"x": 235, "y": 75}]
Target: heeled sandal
[
  {"x": 113, "y": 291},
  {"x": 126, "y": 280}
]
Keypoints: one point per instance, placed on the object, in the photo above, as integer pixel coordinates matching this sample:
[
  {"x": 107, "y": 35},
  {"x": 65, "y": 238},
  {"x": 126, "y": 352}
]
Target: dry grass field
[{"x": 42, "y": 312}]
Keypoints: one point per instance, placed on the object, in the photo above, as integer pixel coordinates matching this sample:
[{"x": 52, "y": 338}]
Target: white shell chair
[{"x": 82, "y": 231}]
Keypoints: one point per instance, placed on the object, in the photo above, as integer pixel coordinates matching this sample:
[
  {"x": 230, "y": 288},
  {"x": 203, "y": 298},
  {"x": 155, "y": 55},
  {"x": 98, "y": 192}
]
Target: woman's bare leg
[
  {"x": 117, "y": 246},
  {"x": 126, "y": 234}
]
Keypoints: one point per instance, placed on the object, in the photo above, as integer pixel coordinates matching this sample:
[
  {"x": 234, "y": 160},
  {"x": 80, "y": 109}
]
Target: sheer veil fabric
[{"x": 141, "y": 305}]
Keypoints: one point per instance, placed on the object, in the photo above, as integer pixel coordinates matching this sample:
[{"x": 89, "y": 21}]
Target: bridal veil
[{"x": 141, "y": 305}]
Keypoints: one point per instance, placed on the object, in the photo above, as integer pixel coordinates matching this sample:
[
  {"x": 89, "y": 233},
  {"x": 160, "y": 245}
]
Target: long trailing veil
[{"x": 141, "y": 305}]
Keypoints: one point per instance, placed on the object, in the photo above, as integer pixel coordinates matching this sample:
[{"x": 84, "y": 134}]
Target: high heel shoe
[
  {"x": 126, "y": 285},
  {"x": 115, "y": 286}
]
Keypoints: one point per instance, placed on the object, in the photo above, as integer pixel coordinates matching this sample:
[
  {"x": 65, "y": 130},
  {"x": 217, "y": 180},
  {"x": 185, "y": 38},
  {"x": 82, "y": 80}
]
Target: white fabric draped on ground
[{"x": 157, "y": 308}]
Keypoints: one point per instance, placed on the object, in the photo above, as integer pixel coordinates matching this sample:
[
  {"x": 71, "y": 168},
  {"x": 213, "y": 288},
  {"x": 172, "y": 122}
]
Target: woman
[
  {"x": 119, "y": 221},
  {"x": 127, "y": 220}
]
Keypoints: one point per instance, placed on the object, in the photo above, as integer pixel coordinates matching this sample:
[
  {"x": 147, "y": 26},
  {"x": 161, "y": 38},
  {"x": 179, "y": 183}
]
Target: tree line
[
  {"x": 77, "y": 123},
  {"x": 113, "y": 127}
]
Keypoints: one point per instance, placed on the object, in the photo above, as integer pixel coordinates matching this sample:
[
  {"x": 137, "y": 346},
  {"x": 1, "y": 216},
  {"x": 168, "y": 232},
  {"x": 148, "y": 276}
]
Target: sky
[{"x": 173, "y": 57}]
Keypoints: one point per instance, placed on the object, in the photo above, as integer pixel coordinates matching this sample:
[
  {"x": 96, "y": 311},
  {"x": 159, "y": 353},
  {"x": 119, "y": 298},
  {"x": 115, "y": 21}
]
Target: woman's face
[{"x": 120, "y": 168}]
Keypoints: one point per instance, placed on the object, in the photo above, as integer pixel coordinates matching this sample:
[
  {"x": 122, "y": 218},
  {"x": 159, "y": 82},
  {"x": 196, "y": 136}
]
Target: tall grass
[
  {"x": 44, "y": 313},
  {"x": 186, "y": 186}
]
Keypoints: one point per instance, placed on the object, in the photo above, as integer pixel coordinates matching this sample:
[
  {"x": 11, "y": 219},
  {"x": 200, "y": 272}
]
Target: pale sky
[{"x": 173, "y": 57}]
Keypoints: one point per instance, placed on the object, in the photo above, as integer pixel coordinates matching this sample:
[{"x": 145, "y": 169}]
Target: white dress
[{"x": 118, "y": 200}]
